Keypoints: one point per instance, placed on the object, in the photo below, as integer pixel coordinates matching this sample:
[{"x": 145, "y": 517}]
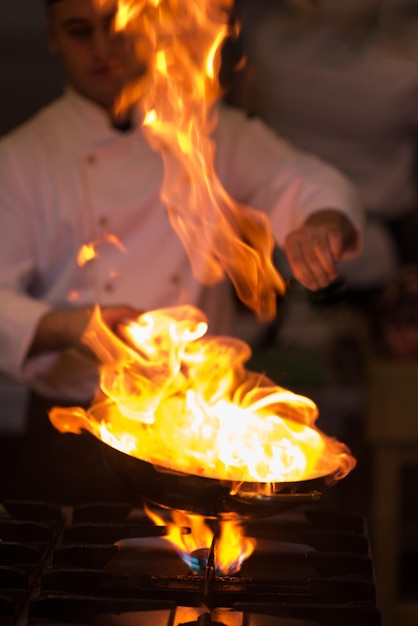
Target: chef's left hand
[{"x": 314, "y": 249}]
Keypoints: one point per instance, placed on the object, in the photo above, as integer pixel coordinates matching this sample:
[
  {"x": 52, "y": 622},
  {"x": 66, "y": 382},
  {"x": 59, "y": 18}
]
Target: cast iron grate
[{"x": 60, "y": 566}]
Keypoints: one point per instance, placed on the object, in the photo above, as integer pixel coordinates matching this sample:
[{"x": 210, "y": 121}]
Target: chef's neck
[{"x": 123, "y": 123}]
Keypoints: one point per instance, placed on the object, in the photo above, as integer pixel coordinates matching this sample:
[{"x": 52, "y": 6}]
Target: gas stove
[{"x": 61, "y": 565}]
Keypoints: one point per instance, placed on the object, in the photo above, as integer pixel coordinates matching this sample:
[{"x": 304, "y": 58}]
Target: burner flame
[{"x": 228, "y": 545}]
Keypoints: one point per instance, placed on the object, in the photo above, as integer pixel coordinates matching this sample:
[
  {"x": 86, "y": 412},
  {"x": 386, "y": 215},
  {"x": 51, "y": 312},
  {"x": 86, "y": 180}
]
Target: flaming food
[
  {"x": 170, "y": 394},
  {"x": 184, "y": 401}
]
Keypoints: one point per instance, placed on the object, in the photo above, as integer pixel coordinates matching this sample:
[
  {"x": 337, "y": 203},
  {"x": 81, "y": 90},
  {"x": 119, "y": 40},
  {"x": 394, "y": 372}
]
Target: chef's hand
[
  {"x": 61, "y": 329},
  {"x": 314, "y": 249}
]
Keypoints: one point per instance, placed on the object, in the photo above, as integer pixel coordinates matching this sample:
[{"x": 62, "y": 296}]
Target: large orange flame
[
  {"x": 170, "y": 394},
  {"x": 179, "y": 41},
  {"x": 184, "y": 401}
]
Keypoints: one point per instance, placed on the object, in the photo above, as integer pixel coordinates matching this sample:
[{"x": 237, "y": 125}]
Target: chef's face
[{"x": 97, "y": 61}]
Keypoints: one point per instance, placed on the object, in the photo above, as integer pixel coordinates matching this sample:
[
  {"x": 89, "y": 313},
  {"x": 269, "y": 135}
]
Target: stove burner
[
  {"x": 60, "y": 566},
  {"x": 201, "y": 562},
  {"x": 203, "y": 620}
]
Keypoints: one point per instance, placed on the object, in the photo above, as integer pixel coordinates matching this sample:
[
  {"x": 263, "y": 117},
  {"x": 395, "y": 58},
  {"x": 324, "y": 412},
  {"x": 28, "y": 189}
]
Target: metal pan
[{"x": 208, "y": 497}]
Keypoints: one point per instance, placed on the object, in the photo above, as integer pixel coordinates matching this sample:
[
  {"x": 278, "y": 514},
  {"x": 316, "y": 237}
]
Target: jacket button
[
  {"x": 109, "y": 287},
  {"x": 103, "y": 221},
  {"x": 91, "y": 159}
]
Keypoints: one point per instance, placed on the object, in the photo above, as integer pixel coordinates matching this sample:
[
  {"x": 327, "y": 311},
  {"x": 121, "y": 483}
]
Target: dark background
[
  {"x": 30, "y": 78},
  {"x": 29, "y": 75}
]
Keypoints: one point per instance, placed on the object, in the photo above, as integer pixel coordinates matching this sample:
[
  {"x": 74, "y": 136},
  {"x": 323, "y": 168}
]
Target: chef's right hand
[{"x": 61, "y": 329}]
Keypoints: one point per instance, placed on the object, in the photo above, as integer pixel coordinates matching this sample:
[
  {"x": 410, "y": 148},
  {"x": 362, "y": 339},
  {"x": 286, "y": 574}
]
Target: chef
[{"x": 75, "y": 176}]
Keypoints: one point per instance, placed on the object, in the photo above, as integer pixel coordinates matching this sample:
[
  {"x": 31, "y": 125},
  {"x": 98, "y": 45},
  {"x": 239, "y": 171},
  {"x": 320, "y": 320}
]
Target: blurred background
[{"x": 30, "y": 77}]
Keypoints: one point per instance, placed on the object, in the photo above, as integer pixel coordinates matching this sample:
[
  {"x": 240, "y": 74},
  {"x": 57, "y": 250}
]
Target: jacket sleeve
[
  {"x": 262, "y": 170},
  {"x": 19, "y": 312}
]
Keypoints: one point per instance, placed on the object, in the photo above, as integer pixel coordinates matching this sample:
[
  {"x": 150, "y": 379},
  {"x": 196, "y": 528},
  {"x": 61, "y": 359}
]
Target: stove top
[{"x": 60, "y": 565}]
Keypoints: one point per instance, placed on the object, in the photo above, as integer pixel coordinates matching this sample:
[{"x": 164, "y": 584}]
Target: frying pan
[{"x": 209, "y": 497}]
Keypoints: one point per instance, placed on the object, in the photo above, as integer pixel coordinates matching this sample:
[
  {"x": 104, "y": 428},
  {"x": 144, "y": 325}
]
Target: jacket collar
[{"x": 93, "y": 120}]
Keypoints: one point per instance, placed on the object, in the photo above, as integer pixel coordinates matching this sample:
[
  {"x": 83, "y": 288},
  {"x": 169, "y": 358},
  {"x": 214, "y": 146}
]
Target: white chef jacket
[{"x": 67, "y": 178}]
